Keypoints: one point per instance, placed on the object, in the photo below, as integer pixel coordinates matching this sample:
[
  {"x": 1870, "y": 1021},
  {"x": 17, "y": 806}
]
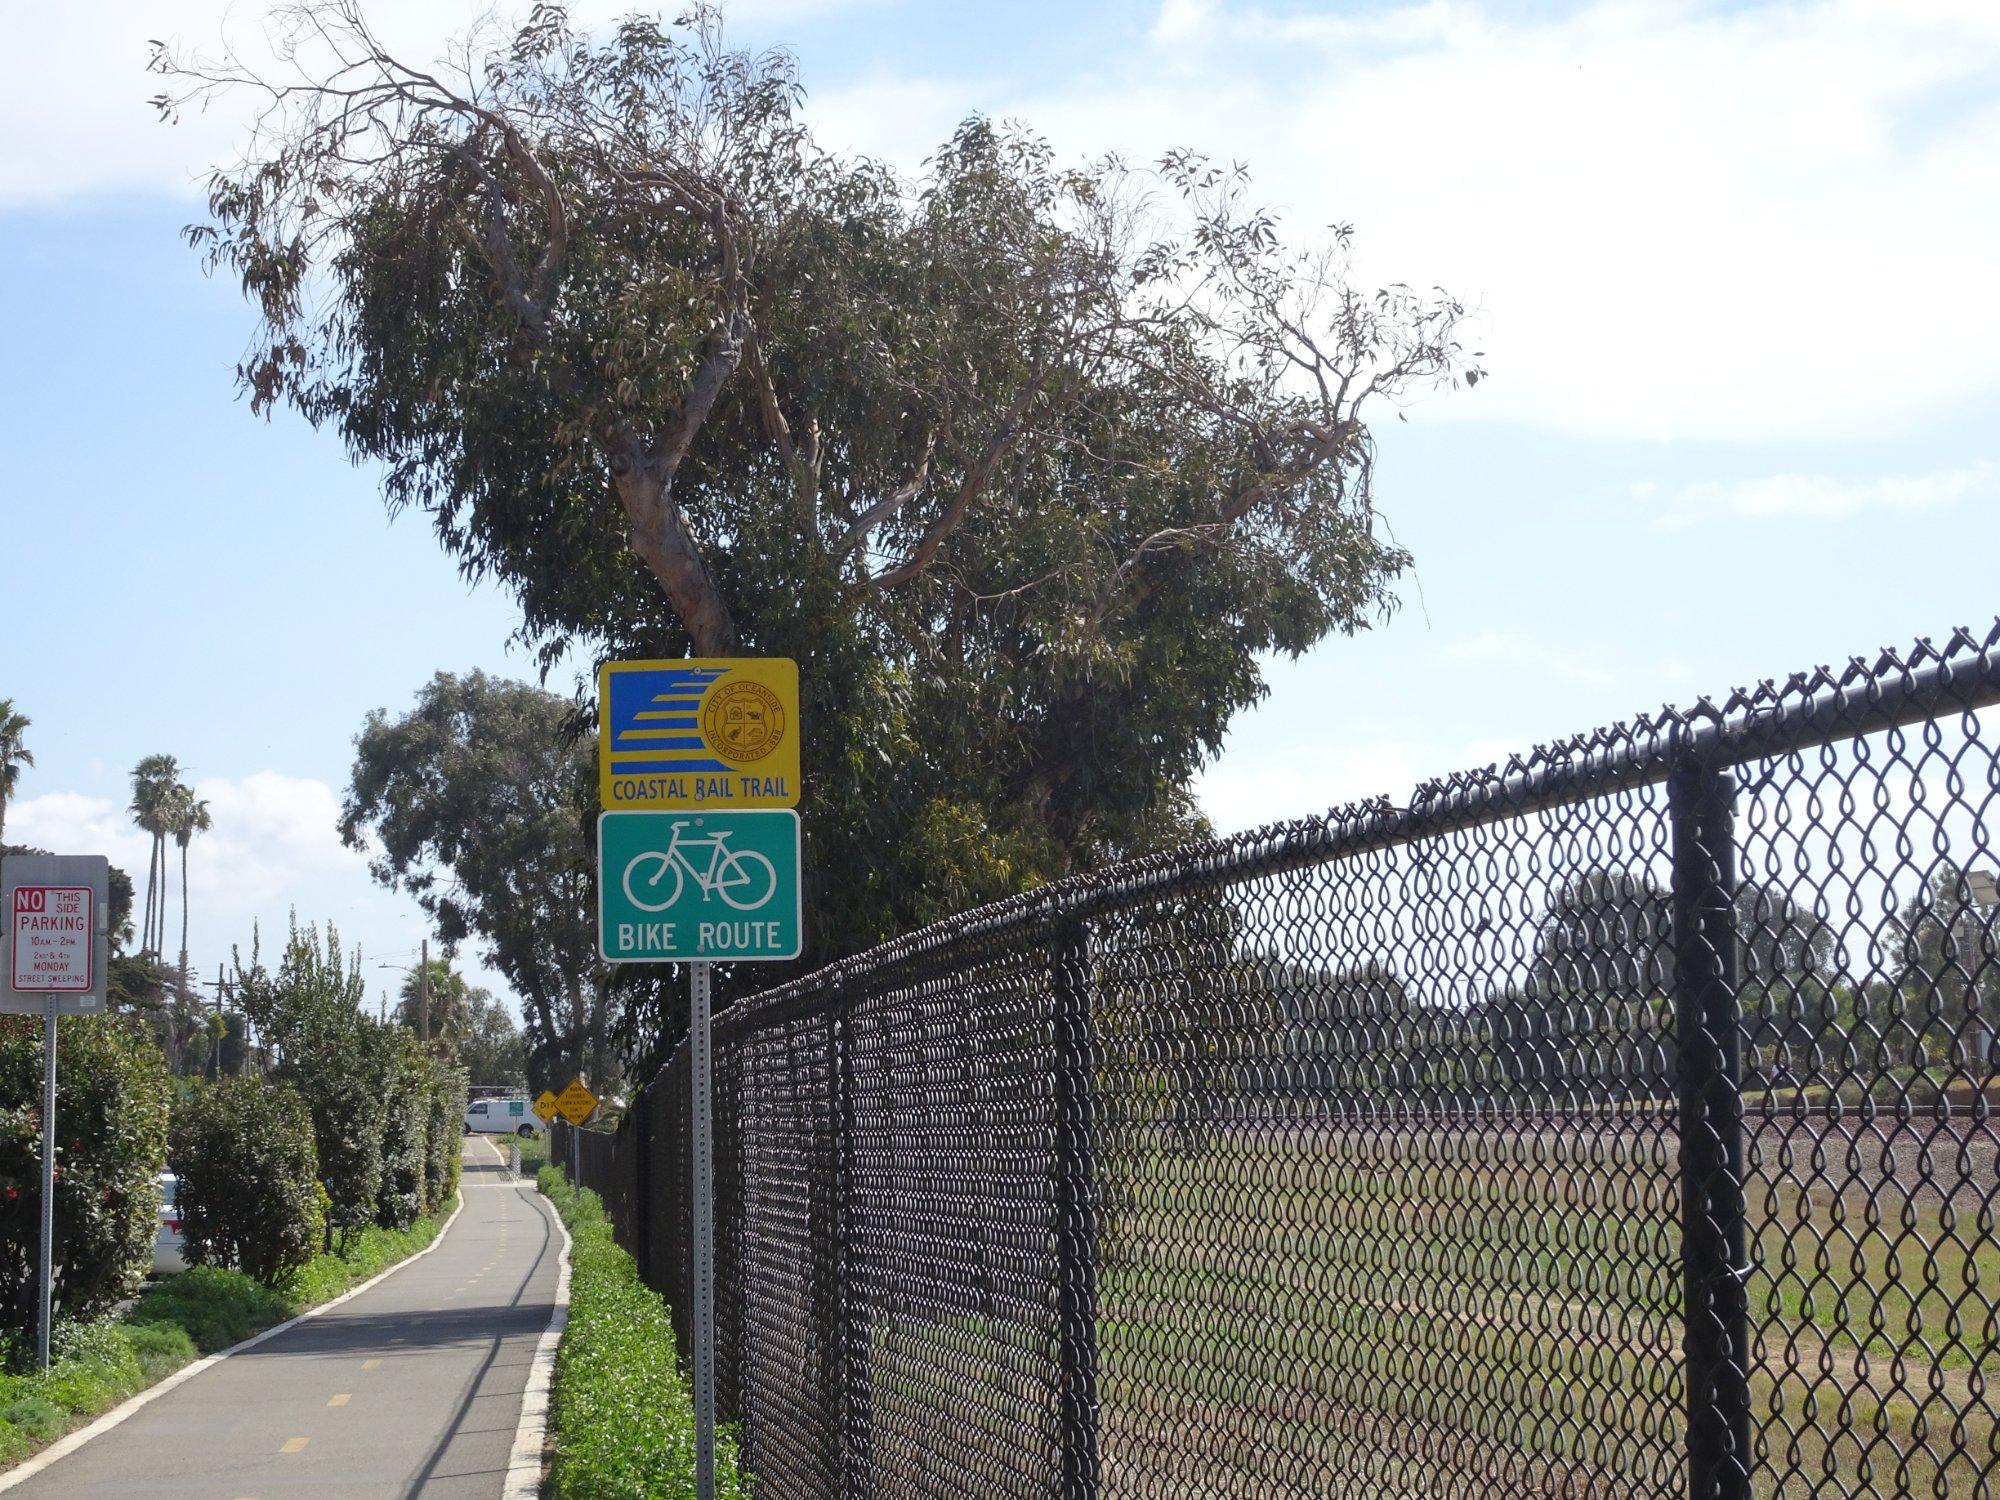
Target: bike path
[{"x": 412, "y": 1388}]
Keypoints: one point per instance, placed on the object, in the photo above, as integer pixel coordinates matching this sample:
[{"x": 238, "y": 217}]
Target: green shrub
[
  {"x": 622, "y": 1412},
  {"x": 249, "y": 1182},
  {"x": 367, "y": 1252},
  {"x": 447, "y": 1124},
  {"x": 38, "y": 1418},
  {"x": 405, "y": 1134},
  {"x": 111, "y": 1136},
  {"x": 213, "y": 1307},
  {"x": 335, "y": 1056},
  {"x": 159, "y": 1348}
]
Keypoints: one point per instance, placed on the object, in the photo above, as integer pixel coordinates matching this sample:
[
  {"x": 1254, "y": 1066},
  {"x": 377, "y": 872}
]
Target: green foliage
[
  {"x": 371, "y": 1091},
  {"x": 1026, "y": 463},
  {"x": 493, "y": 1053},
  {"x": 111, "y": 1139},
  {"x": 405, "y": 1138},
  {"x": 481, "y": 807},
  {"x": 160, "y": 1348},
  {"x": 621, "y": 1412},
  {"x": 14, "y": 753},
  {"x": 93, "y": 1367},
  {"x": 213, "y": 1306},
  {"x": 249, "y": 1191},
  {"x": 334, "y": 1055},
  {"x": 445, "y": 1095},
  {"x": 369, "y": 1252}
]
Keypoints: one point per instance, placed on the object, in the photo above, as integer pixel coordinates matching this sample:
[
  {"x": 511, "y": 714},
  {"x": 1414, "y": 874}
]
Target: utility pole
[
  {"x": 424, "y": 996},
  {"x": 221, "y": 1030}
]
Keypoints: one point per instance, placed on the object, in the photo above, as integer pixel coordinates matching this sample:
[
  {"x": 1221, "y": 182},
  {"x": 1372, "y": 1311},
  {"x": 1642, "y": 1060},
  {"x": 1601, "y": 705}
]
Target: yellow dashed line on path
[
  {"x": 293, "y": 1445},
  {"x": 369, "y": 1364},
  {"x": 342, "y": 1399}
]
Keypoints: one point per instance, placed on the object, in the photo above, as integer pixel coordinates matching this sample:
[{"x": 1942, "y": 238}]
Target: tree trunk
[
  {"x": 573, "y": 1022},
  {"x": 661, "y": 537},
  {"x": 184, "y": 915},
  {"x": 600, "y": 1062},
  {"x": 152, "y": 873}
]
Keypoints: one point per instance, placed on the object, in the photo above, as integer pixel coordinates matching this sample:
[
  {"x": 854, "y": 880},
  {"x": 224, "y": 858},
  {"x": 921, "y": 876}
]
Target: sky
[{"x": 1733, "y": 270}]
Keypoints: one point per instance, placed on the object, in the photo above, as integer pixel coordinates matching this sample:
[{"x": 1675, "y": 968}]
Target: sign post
[
  {"x": 698, "y": 860},
  {"x": 57, "y": 910},
  {"x": 576, "y": 1104}
]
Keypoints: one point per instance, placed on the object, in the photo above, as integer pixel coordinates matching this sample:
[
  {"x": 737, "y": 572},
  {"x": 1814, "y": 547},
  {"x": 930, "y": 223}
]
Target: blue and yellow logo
[{"x": 700, "y": 732}]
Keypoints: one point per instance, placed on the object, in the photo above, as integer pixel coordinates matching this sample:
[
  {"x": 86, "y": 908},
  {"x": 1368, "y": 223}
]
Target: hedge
[
  {"x": 622, "y": 1412},
  {"x": 111, "y": 1138},
  {"x": 249, "y": 1192}
]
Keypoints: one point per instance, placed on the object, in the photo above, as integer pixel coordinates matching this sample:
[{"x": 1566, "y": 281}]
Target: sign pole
[
  {"x": 49, "y": 1003},
  {"x": 704, "y": 1233}
]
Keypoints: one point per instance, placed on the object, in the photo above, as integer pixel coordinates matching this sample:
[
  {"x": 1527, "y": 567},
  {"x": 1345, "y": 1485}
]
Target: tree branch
[{"x": 890, "y": 503}]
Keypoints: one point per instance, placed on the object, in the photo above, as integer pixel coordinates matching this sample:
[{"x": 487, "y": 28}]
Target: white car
[
  {"x": 501, "y": 1117},
  {"x": 167, "y": 1257}
]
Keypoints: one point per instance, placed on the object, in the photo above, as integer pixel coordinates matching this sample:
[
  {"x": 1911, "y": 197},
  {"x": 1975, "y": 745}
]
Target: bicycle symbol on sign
[{"x": 742, "y": 878}]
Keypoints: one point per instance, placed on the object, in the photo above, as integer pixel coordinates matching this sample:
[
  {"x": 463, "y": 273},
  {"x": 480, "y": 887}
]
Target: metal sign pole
[
  {"x": 704, "y": 1234},
  {"x": 48, "y": 1175}
]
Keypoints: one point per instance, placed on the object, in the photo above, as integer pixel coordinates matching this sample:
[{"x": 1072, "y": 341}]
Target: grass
[
  {"x": 622, "y": 1412},
  {"x": 95, "y": 1366},
  {"x": 1411, "y": 1310}
]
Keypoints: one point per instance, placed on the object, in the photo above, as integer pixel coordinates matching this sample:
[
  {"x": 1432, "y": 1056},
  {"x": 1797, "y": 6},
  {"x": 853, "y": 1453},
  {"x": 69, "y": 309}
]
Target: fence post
[
  {"x": 856, "y": 1411},
  {"x": 1708, "y": 1032},
  {"x": 1076, "y": 1211}
]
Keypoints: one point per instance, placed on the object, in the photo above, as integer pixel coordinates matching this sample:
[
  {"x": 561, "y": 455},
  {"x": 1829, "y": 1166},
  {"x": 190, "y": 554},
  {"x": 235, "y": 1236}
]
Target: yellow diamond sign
[
  {"x": 545, "y": 1107},
  {"x": 576, "y": 1103}
]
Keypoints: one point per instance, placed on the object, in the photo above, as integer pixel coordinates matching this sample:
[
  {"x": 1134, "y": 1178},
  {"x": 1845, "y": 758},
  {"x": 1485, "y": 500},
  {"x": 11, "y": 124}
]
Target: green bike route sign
[{"x": 719, "y": 885}]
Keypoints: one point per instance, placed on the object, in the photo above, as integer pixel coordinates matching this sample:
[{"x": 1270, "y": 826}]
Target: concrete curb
[
  {"x": 63, "y": 1447},
  {"x": 524, "y": 1464}
]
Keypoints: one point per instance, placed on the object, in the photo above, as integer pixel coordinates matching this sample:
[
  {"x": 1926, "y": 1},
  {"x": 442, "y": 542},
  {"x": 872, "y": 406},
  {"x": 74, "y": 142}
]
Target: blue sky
[{"x": 1734, "y": 268}]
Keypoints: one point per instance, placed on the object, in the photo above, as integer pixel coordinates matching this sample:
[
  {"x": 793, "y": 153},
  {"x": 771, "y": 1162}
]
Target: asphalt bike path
[{"x": 412, "y": 1388}]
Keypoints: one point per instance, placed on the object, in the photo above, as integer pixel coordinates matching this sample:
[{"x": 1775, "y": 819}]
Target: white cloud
[
  {"x": 1676, "y": 221},
  {"x": 74, "y": 111},
  {"x": 1820, "y": 496},
  {"x": 274, "y": 848}
]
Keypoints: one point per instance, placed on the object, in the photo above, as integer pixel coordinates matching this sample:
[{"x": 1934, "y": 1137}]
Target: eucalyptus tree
[
  {"x": 14, "y": 754},
  {"x": 1026, "y": 462},
  {"x": 478, "y": 804}
]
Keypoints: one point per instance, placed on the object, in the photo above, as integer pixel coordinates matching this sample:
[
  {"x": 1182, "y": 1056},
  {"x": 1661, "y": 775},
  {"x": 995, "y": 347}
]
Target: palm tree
[
  {"x": 13, "y": 756},
  {"x": 152, "y": 782},
  {"x": 189, "y": 817}
]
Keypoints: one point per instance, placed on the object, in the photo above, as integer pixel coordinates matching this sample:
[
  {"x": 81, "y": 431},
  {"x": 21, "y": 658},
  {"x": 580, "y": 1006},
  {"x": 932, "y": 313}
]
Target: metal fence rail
[{"x": 1619, "y": 1122}]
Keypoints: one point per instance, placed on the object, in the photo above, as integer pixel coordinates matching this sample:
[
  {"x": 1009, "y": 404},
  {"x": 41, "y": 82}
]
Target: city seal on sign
[{"x": 743, "y": 721}]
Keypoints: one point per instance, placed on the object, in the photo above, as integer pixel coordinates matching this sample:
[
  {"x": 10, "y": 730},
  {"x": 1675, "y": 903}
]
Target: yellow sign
[
  {"x": 576, "y": 1103},
  {"x": 718, "y": 731},
  {"x": 545, "y": 1107}
]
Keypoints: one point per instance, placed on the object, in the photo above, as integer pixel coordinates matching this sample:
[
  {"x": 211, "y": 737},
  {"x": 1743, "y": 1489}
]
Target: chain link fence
[{"x": 1617, "y": 1122}]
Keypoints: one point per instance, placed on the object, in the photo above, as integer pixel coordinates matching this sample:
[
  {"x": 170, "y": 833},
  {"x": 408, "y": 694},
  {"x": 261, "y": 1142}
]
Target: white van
[{"x": 501, "y": 1116}]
